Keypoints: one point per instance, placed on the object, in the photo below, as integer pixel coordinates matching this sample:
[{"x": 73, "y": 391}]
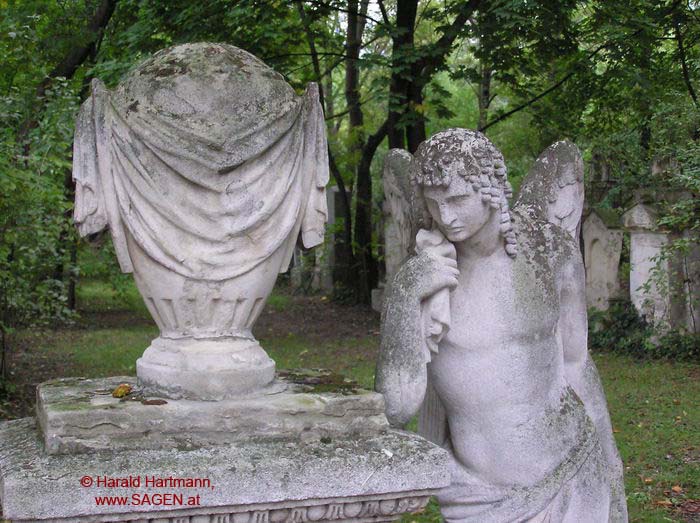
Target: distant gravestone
[
  {"x": 649, "y": 281},
  {"x": 313, "y": 271},
  {"x": 692, "y": 277},
  {"x": 602, "y": 249},
  {"x": 326, "y": 257},
  {"x": 664, "y": 284}
]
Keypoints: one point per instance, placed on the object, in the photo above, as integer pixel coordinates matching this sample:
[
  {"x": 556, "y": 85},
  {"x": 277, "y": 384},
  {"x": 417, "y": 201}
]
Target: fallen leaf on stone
[{"x": 122, "y": 390}]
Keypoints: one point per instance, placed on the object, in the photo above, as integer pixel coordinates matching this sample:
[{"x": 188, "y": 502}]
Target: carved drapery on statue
[
  {"x": 206, "y": 166},
  {"x": 207, "y": 196}
]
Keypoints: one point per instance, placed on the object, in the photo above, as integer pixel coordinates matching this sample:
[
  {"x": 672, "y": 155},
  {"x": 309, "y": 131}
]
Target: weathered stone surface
[
  {"x": 663, "y": 283},
  {"x": 364, "y": 479},
  {"x": 206, "y": 167},
  {"x": 486, "y": 326},
  {"x": 602, "y": 247},
  {"x": 78, "y": 415}
]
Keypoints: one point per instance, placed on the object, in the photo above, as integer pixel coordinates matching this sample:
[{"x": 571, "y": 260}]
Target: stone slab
[
  {"x": 374, "y": 478},
  {"x": 78, "y": 415}
]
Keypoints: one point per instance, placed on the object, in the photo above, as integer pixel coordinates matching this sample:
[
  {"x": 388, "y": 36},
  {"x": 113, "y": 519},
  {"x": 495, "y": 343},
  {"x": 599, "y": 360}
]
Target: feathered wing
[
  {"x": 399, "y": 209},
  {"x": 553, "y": 189}
]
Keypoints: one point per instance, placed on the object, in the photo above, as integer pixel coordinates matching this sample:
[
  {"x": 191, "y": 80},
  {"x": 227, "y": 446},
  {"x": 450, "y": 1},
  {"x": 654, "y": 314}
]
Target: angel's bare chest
[
  {"x": 501, "y": 343},
  {"x": 502, "y": 305}
]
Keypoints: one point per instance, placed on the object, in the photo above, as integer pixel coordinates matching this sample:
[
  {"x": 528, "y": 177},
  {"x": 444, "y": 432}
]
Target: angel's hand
[
  {"x": 438, "y": 273},
  {"x": 440, "y": 262}
]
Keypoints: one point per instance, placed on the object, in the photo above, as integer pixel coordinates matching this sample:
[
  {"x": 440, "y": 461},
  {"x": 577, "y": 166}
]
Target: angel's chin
[{"x": 457, "y": 235}]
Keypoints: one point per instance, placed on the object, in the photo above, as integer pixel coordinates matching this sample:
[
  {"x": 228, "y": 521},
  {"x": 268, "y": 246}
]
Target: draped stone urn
[{"x": 206, "y": 167}]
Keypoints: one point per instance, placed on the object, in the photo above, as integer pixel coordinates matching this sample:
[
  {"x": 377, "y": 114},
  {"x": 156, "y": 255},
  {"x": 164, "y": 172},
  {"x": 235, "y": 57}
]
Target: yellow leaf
[
  {"x": 677, "y": 489},
  {"x": 122, "y": 390}
]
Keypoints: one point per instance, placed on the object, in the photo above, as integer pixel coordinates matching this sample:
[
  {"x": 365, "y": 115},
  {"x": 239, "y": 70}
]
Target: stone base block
[
  {"x": 78, "y": 415},
  {"x": 373, "y": 478}
]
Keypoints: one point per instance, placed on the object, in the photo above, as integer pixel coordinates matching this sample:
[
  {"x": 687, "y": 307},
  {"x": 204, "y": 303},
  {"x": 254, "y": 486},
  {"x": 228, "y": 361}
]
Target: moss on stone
[{"x": 320, "y": 380}]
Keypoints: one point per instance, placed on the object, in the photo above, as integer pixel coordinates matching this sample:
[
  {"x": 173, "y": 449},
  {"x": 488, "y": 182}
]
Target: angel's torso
[{"x": 499, "y": 372}]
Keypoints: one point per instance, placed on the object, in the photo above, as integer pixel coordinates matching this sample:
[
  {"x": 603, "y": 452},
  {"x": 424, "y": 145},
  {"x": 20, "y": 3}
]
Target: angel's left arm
[{"x": 579, "y": 369}]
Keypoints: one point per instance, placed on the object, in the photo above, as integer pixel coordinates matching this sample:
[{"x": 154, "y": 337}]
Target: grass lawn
[{"x": 655, "y": 406}]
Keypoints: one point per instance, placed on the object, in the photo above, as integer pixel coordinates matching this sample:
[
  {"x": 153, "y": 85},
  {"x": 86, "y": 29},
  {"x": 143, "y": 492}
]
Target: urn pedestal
[{"x": 288, "y": 454}]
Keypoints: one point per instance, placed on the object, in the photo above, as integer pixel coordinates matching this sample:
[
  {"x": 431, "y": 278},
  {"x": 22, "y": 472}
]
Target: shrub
[{"x": 621, "y": 329}]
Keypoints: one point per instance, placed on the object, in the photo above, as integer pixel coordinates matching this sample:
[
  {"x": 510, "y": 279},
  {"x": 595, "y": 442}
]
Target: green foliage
[{"x": 621, "y": 330}]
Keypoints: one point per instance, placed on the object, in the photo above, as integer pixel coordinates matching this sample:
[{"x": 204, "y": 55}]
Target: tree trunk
[
  {"x": 415, "y": 131},
  {"x": 402, "y": 72},
  {"x": 484, "y": 95},
  {"x": 365, "y": 265}
]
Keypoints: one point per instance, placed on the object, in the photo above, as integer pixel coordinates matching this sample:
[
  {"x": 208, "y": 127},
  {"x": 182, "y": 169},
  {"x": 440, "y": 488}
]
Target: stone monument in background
[
  {"x": 602, "y": 247},
  {"x": 484, "y": 331},
  {"x": 663, "y": 283},
  {"x": 205, "y": 166}
]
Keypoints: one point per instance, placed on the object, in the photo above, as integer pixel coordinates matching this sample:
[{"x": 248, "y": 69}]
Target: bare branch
[
  {"x": 429, "y": 64},
  {"x": 67, "y": 67},
  {"x": 382, "y": 8},
  {"x": 684, "y": 65}
]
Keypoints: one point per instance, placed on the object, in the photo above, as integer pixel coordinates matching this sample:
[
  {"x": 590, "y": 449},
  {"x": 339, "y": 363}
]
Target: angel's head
[{"x": 462, "y": 179}]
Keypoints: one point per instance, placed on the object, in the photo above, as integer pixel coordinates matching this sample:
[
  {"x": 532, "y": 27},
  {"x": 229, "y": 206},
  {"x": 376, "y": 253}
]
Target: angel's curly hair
[{"x": 472, "y": 156}]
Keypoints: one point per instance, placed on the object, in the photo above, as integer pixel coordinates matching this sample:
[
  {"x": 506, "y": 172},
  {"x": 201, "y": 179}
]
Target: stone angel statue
[{"x": 484, "y": 330}]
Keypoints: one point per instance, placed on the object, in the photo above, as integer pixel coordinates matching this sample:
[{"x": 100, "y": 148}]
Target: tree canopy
[{"x": 618, "y": 78}]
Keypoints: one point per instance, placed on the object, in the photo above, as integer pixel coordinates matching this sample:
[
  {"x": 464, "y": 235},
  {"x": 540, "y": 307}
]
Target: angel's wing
[
  {"x": 401, "y": 222},
  {"x": 553, "y": 189}
]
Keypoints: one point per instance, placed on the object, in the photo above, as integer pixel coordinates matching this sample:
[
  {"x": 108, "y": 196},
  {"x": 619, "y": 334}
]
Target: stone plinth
[
  {"x": 373, "y": 478},
  {"x": 78, "y": 415}
]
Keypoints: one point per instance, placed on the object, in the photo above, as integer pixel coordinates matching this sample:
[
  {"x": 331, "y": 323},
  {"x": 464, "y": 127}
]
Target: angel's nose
[{"x": 447, "y": 217}]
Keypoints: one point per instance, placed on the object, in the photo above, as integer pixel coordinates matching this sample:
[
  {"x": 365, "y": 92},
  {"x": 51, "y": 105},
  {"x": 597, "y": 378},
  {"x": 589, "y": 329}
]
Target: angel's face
[{"x": 457, "y": 209}]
